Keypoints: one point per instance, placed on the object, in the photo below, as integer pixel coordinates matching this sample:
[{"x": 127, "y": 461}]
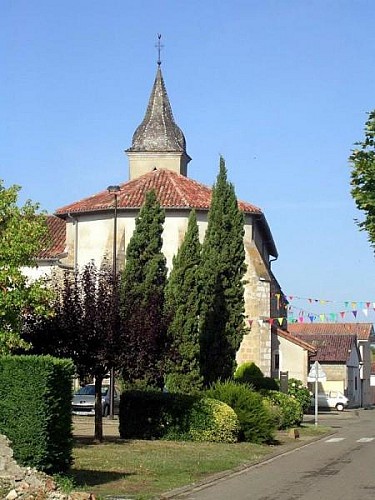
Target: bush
[
  {"x": 297, "y": 390},
  {"x": 212, "y": 420},
  {"x": 157, "y": 415},
  {"x": 288, "y": 411},
  {"x": 250, "y": 373},
  {"x": 35, "y": 410},
  {"x": 256, "y": 423}
]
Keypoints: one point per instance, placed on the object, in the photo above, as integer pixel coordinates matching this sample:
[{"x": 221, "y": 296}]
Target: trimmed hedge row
[
  {"x": 157, "y": 415},
  {"x": 35, "y": 410}
]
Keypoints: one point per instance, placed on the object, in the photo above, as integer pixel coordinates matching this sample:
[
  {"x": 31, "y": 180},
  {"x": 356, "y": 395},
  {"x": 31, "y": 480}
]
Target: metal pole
[
  {"x": 316, "y": 393},
  {"x": 114, "y": 272}
]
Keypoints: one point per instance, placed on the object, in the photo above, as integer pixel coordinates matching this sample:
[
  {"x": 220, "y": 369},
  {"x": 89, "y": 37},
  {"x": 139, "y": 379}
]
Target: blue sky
[{"x": 279, "y": 88}]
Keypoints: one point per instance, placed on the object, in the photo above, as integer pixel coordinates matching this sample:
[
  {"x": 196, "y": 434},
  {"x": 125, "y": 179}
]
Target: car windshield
[{"x": 89, "y": 390}]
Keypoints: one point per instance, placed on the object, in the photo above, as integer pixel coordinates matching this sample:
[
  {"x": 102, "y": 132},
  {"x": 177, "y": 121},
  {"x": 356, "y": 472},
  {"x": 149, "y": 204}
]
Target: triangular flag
[
  {"x": 342, "y": 314},
  {"x": 250, "y": 322},
  {"x": 280, "y": 320},
  {"x": 365, "y": 311},
  {"x": 346, "y": 304},
  {"x": 354, "y": 305},
  {"x": 368, "y": 304},
  {"x": 354, "y": 313},
  {"x": 300, "y": 319},
  {"x": 322, "y": 317}
]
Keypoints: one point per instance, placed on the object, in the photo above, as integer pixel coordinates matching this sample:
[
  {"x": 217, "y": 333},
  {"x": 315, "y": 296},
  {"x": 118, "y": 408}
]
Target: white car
[
  {"x": 331, "y": 399},
  {"x": 83, "y": 402}
]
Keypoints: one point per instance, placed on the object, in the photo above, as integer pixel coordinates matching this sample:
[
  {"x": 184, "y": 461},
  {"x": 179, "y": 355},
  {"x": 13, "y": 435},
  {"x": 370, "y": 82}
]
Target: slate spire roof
[{"x": 158, "y": 131}]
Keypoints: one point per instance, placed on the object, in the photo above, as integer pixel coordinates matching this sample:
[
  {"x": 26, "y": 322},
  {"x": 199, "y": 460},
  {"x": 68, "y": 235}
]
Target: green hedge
[
  {"x": 157, "y": 415},
  {"x": 256, "y": 422},
  {"x": 35, "y": 410},
  {"x": 287, "y": 409},
  {"x": 249, "y": 373}
]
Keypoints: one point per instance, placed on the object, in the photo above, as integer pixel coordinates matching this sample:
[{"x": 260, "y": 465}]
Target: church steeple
[{"x": 158, "y": 142}]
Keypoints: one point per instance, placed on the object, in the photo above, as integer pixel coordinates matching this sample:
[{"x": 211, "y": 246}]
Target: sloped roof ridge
[
  {"x": 295, "y": 340},
  {"x": 132, "y": 193},
  {"x": 362, "y": 330}
]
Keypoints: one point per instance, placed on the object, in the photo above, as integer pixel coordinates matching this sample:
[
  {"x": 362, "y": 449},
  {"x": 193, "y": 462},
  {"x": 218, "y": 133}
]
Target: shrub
[
  {"x": 290, "y": 413},
  {"x": 212, "y": 420},
  {"x": 297, "y": 390},
  {"x": 157, "y": 415},
  {"x": 250, "y": 373},
  {"x": 35, "y": 410},
  {"x": 256, "y": 423}
]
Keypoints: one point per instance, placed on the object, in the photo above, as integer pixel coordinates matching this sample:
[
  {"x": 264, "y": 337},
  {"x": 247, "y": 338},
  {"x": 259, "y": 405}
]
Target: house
[
  {"x": 290, "y": 354},
  {"x": 158, "y": 160},
  {"x": 372, "y": 383},
  {"x": 364, "y": 334}
]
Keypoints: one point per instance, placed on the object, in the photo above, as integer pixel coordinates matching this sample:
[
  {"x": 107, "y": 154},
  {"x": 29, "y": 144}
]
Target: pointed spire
[{"x": 158, "y": 130}]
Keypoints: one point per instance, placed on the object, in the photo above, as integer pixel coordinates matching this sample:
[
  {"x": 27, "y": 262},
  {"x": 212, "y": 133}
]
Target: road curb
[{"x": 241, "y": 469}]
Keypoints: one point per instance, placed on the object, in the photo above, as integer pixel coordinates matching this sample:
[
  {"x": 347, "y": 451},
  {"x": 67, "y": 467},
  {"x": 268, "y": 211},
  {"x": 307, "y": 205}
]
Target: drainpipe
[{"x": 75, "y": 223}]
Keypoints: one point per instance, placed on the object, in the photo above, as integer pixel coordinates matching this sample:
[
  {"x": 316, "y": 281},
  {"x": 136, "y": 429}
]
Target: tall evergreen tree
[
  {"x": 142, "y": 297},
  {"x": 182, "y": 310},
  {"x": 222, "y": 271}
]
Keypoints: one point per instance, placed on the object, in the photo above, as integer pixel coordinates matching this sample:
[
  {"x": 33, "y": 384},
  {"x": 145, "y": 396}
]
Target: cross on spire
[{"x": 159, "y": 46}]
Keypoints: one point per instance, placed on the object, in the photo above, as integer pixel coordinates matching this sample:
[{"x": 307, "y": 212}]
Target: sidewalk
[{"x": 83, "y": 427}]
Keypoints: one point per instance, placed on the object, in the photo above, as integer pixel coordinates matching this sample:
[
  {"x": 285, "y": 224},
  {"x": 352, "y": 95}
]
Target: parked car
[
  {"x": 331, "y": 399},
  {"x": 83, "y": 402}
]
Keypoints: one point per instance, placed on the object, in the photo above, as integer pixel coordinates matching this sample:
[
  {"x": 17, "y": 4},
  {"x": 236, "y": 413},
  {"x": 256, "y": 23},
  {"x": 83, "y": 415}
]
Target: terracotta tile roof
[
  {"x": 173, "y": 191},
  {"x": 295, "y": 340},
  {"x": 363, "y": 331},
  {"x": 54, "y": 242},
  {"x": 330, "y": 348}
]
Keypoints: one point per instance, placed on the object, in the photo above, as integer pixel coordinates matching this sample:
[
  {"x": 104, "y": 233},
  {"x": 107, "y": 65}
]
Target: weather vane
[{"x": 159, "y": 46}]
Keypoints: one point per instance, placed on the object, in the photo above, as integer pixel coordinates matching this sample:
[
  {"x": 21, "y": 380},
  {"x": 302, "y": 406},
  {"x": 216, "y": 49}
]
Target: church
[{"x": 100, "y": 226}]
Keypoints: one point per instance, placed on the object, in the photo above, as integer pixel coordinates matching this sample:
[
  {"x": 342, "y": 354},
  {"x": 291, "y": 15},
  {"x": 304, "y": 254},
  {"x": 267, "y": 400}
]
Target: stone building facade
[{"x": 158, "y": 160}]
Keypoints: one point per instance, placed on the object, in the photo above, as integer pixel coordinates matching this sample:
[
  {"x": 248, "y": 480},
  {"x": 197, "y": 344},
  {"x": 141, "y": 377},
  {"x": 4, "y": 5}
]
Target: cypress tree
[
  {"x": 182, "y": 310},
  {"x": 223, "y": 267},
  {"x": 142, "y": 298}
]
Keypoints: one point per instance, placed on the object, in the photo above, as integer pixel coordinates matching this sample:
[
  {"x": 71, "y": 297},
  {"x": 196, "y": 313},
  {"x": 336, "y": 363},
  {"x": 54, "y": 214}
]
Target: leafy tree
[
  {"x": 22, "y": 234},
  {"x": 182, "y": 309},
  {"x": 362, "y": 162},
  {"x": 84, "y": 327},
  {"x": 142, "y": 298},
  {"x": 222, "y": 271}
]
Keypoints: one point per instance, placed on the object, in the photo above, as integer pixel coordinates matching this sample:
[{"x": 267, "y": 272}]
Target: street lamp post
[{"x": 113, "y": 190}]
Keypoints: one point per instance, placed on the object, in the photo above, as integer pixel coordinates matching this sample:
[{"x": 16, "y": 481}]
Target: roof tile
[
  {"x": 330, "y": 348},
  {"x": 54, "y": 241},
  {"x": 363, "y": 331},
  {"x": 173, "y": 191}
]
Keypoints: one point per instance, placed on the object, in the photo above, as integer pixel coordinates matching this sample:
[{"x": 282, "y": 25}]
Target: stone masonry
[{"x": 25, "y": 483}]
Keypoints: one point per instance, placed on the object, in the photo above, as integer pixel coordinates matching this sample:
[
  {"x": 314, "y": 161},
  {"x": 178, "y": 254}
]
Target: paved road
[{"x": 340, "y": 466}]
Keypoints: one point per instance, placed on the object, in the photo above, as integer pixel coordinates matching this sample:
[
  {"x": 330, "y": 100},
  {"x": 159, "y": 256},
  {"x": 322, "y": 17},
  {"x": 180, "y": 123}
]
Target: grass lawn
[{"x": 146, "y": 469}]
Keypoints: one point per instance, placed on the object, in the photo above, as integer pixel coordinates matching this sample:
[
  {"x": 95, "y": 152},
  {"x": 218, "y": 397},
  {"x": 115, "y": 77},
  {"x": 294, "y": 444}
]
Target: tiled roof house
[{"x": 333, "y": 342}]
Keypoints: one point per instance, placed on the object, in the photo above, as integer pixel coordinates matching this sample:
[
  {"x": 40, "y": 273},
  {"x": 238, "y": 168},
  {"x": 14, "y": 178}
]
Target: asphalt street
[{"x": 339, "y": 466}]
